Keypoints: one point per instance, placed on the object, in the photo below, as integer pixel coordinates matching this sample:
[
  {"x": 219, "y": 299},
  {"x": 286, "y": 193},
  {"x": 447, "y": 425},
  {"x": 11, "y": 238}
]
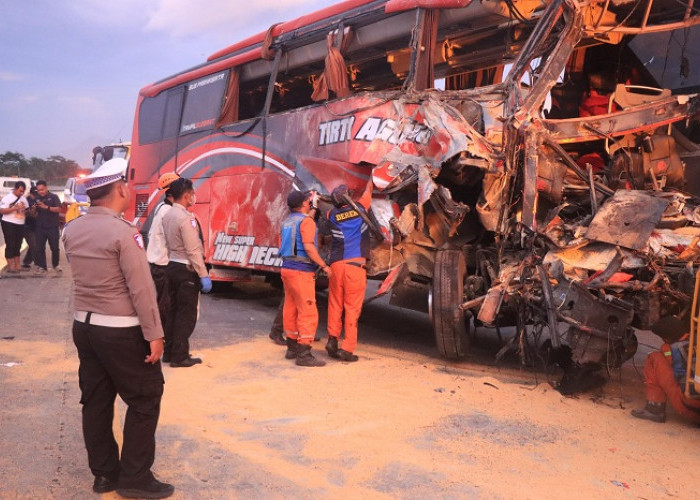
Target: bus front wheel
[{"x": 450, "y": 323}]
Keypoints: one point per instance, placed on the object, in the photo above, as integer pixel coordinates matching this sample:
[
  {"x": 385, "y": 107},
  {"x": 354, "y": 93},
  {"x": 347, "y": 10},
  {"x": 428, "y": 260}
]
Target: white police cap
[{"x": 107, "y": 173}]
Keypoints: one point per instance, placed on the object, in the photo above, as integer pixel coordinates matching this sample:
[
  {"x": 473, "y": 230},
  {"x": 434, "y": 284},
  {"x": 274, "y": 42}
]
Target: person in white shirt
[
  {"x": 156, "y": 251},
  {"x": 13, "y": 207}
]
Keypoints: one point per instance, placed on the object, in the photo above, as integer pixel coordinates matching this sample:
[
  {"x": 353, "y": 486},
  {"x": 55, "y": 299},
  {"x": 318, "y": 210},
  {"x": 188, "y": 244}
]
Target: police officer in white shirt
[{"x": 156, "y": 250}]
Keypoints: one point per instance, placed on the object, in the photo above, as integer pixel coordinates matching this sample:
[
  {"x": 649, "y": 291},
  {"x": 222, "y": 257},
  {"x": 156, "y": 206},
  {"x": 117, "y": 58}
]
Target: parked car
[{"x": 7, "y": 184}]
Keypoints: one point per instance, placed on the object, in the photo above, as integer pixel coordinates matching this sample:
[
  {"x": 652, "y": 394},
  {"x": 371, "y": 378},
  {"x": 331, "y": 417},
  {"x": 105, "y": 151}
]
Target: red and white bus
[{"x": 445, "y": 104}]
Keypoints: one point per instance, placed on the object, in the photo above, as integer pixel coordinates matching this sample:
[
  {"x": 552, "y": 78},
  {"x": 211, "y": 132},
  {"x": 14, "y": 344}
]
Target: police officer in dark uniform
[{"x": 119, "y": 338}]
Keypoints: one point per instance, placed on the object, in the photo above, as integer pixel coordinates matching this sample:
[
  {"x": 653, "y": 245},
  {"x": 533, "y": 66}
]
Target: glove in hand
[{"x": 206, "y": 284}]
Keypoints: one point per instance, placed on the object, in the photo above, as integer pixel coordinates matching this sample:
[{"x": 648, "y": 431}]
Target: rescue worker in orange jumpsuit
[
  {"x": 664, "y": 372},
  {"x": 348, "y": 280},
  {"x": 300, "y": 259}
]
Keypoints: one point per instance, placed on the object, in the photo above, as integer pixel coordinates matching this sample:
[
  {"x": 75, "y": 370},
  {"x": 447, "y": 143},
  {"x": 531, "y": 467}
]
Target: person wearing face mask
[
  {"x": 186, "y": 272},
  {"x": 156, "y": 251}
]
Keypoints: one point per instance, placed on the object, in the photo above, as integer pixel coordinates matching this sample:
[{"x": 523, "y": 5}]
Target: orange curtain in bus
[
  {"x": 425, "y": 73},
  {"x": 230, "y": 112},
  {"x": 335, "y": 75}
]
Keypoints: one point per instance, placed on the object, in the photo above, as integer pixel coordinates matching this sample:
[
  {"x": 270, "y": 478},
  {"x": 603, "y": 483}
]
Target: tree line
[{"x": 54, "y": 169}]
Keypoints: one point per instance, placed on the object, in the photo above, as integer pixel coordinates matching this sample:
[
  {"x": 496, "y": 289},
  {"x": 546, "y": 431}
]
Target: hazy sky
[{"x": 70, "y": 70}]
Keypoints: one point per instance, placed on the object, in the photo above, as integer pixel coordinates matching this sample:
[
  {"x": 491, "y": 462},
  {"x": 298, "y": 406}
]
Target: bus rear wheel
[{"x": 450, "y": 323}]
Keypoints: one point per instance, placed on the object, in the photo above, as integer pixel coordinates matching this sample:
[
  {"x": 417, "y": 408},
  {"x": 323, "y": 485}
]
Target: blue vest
[
  {"x": 292, "y": 247},
  {"x": 350, "y": 234}
]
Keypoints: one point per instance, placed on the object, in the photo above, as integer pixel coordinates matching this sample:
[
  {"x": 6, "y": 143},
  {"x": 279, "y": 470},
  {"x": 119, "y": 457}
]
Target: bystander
[
  {"x": 48, "y": 207},
  {"x": 30, "y": 230},
  {"x": 13, "y": 207}
]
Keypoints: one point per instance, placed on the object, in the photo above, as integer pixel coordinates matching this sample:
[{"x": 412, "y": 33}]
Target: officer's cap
[
  {"x": 296, "y": 198},
  {"x": 109, "y": 172}
]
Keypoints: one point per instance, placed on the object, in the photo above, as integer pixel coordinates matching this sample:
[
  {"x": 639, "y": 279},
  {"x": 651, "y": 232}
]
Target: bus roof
[{"x": 249, "y": 49}]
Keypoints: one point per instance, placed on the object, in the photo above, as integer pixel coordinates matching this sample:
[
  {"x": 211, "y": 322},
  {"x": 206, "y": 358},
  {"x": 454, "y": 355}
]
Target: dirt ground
[{"x": 400, "y": 423}]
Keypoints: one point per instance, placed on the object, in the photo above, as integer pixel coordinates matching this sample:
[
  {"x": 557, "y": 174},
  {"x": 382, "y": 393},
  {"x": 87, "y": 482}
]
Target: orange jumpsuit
[
  {"x": 300, "y": 315},
  {"x": 348, "y": 280},
  {"x": 661, "y": 385}
]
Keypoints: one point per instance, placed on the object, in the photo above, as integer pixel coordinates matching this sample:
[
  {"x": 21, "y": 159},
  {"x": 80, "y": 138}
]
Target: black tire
[{"x": 449, "y": 321}]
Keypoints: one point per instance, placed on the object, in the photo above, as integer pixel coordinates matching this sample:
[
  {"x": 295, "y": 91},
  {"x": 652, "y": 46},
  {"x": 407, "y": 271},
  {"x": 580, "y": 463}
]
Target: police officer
[
  {"x": 348, "y": 281},
  {"x": 187, "y": 274},
  {"x": 156, "y": 250},
  {"x": 119, "y": 338},
  {"x": 300, "y": 259}
]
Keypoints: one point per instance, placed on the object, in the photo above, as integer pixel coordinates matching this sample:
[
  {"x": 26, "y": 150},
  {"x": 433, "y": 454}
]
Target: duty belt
[{"x": 90, "y": 318}]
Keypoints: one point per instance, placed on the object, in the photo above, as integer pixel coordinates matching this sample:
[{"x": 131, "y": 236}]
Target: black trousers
[
  {"x": 183, "y": 291},
  {"x": 111, "y": 363},
  {"x": 30, "y": 238},
  {"x": 277, "y": 328},
  {"x": 160, "y": 279},
  {"x": 44, "y": 234},
  {"x": 13, "y": 234}
]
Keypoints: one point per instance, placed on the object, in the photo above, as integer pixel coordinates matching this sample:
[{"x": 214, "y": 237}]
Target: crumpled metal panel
[
  {"x": 593, "y": 257},
  {"x": 597, "y": 317},
  {"x": 429, "y": 133},
  {"x": 627, "y": 219}
]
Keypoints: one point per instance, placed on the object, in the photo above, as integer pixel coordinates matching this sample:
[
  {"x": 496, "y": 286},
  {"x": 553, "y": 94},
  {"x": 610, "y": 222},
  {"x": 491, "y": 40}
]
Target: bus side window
[
  {"x": 159, "y": 118},
  {"x": 252, "y": 98},
  {"x": 203, "y": 102},
  {"x": 151, "y": 115},
  {"x": 291, "y": 91}
]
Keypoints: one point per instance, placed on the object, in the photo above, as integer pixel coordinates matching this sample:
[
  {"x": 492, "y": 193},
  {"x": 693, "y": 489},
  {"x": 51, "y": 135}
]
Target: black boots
[
  {"x": 334, "y": 352},
  {"x": 154, "y": 489},
  {"x": 656, "y": 412},
  {"x": 291, "y": 349},
  {"x": 186, "y": 363},
  {"x": 332, "y": 346},
  {"x": 104, "y": 484},
  {"x": 277, "y": 338},
  {"x": 305, "y": 358},
  {"x": 346, "y": 356}
]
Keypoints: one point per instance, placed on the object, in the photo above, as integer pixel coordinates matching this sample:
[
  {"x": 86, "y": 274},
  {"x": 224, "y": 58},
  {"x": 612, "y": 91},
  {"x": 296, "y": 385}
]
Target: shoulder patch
[
  {"x": 193, "y": 223},
  {"x": 139, "y": 240}
]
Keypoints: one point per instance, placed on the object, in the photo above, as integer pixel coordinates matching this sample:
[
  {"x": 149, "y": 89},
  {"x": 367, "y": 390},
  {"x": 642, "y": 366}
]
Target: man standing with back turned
[
  {"x": 347, "y": 284},
  {"x": 119, "y": 338}
]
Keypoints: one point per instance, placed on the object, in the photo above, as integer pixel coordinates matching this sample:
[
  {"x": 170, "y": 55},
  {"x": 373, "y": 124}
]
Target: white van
[{"x": 7, "y": 184}]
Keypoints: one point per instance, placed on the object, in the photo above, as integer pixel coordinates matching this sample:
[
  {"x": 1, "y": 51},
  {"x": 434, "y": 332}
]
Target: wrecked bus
[{"x": 526, "y": 159}]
